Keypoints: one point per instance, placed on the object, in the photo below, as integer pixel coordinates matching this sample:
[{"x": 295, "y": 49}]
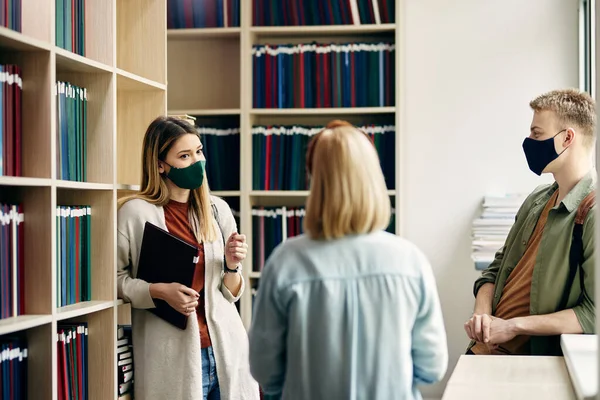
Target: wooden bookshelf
[
  {"x": 210, "y": 76},
  {"x": 124, "y": 73}
]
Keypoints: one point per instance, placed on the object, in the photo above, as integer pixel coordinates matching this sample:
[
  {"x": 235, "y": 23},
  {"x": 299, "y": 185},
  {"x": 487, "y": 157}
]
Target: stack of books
[
  {"x": 11, "y": 122},
  {"x": 492, "y": 227},
  {"x": 12, "y": 255},
  {"x": 72, "y": 361},
  {"x": 13, "y": 367},
  {"x": 125, "y": 362}
]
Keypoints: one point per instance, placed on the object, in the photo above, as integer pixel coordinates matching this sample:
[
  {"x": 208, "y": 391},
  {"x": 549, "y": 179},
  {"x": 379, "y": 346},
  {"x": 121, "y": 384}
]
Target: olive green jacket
[{"x": 552, "y": 261}]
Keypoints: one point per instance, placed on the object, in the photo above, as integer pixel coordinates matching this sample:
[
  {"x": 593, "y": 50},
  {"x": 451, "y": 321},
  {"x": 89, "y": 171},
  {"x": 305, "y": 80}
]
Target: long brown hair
[{"x": 160, "y": 136}]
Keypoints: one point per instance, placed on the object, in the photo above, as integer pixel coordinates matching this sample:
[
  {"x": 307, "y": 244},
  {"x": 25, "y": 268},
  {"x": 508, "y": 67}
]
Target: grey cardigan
[{"x": 167, "y": 360}]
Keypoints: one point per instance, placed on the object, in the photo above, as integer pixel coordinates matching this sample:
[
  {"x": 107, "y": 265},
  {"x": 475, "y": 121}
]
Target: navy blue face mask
[{"x": 540, "y": 153}]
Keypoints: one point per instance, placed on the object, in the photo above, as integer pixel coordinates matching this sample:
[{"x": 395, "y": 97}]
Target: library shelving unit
[
  {"x": 124, "y": 73},
  {"x": 210, "y": 76}
]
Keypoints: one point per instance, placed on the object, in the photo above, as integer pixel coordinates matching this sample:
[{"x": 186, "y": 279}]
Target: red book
[
  {"x": 326, "y": 78},
  {"x": 9, "y": 131},
  {"x": 17, "y": 120},
  {"x": 276, "y": 78},
  {"x": 188, "y": 13}
]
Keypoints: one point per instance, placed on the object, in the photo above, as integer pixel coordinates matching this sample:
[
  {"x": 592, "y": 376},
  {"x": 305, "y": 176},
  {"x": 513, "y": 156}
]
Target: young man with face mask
[{"x": 538, "y": 287}]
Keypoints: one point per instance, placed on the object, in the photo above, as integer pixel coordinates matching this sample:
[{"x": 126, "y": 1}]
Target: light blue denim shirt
[{"x": 353, "y": 318}]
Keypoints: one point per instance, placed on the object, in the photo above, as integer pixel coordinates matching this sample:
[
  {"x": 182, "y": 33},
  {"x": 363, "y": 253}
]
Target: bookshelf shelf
[
  {"x": 126, "y": 187},
  {"x": 204, "y": 33},
  {"x": 322, "y": 111},
  {"x": 80, "y": 309},
  {"x": 23, "y": 322},
  {"x": 128, "y": 81},
  {"x": 207, "y": 112},
  {"x": 69, "y": 61},
  {"x": 83, "y": 185},
  {"x": 23, "y": 181},
  {"x": 13, "y": 40},
  {"x": 320, "y": 30},
  {"x": 226, "y": 193}
]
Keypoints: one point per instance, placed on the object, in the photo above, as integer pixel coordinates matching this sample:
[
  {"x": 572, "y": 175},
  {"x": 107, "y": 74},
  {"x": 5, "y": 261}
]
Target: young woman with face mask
[{"x": 209, "y": 359}]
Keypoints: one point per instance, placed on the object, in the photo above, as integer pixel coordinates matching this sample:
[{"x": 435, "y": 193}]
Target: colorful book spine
[
  {"x": 73, "y": 255},
  {"x": 222, "y": 151},
  {"x": 13, "y": 367},
  {"x": 72, "y": 361},
  {"x": 278, "y": 155},
  {"x": 270, "y": 227},
  {"x": 12, "y": 278},
  {"x": 323, "y": 75},
  {"x": 11, "y": 141},
  {"x": 70, "y": 25},
  {"x": 71, "y": 132},
  {"x": 189, "y": 14},
  {"x": 11, "y": 14},
  {"x": 322, "y": 12}
]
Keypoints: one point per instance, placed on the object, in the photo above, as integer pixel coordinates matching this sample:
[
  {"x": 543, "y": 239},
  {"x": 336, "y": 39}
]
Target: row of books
[
  {"x": 322, "y": 12},
  {"x": 492, "y": 227},
  {"x": 187, "y": 14},
  {"x": 278, "y": 154},
  {"x": 71, "y": 132},
  {"x": 323, "y": 75},
  {"x": 13, "y": 368},
  {"x": 10, "y": 14},
  {"x": 70, "y": 25},
  {"x": 222, "y": 151},
  {"x": 271, "y": 226},
  {"x": 72, "y": 361},
  {"x": 125, "y": 374},
  {"x": 73, "y": 254},
  {"x": 11, "y": 140},
  {"x": 12, "y": 279}
]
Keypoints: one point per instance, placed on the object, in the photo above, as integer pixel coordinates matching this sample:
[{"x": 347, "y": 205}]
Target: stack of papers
[{"x": 491, "y": 229}]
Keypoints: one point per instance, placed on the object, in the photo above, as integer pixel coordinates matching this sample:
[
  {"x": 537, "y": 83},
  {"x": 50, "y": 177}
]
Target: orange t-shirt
[
  {"x": 515, "y": 300},
  {"x": 176, "y": 219}
]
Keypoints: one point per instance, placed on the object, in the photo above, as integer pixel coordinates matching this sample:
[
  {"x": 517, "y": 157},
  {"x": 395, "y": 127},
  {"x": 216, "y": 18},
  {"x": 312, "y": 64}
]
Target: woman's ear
[{"x": 161, "y": 167}]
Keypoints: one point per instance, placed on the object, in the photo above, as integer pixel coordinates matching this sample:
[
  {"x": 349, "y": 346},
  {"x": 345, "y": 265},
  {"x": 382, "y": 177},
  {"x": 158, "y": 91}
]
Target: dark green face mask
[{"x": 190, "y": 177}]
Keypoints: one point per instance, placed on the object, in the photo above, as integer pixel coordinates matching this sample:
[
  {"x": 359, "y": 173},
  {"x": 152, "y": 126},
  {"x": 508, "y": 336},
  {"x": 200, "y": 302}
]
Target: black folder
[{"x": 164, "y": 258}]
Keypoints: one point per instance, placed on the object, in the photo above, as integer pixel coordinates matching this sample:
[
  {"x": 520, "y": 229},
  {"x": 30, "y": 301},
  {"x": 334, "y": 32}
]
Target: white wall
[{"x": 471, "y": 67}]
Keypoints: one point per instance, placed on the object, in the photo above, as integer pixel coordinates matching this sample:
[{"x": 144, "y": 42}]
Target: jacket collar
[{"x": 580, "y": 190}]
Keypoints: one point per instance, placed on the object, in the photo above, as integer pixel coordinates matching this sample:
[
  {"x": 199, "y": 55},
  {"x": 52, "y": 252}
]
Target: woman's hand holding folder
[{"x": 180, "y": 297}]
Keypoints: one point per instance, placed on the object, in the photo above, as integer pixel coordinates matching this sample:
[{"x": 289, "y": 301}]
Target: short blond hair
[
  {"x": 347, "y": 188},
  {"x": 571, "y": 107}
]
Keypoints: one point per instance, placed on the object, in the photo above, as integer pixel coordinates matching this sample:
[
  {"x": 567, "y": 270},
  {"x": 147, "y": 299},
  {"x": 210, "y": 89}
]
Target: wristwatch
[{"x": 232, "y": 271}]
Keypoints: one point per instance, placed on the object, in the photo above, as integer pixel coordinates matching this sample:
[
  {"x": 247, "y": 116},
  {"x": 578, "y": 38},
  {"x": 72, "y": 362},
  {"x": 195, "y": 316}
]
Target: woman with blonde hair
[
  {"x": 347, "y": 311},
  {"x": 209, "y": 359}
]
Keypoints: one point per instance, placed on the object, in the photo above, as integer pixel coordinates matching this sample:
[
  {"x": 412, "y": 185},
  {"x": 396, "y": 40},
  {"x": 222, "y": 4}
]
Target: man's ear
[{"x": 569, "y": 136}]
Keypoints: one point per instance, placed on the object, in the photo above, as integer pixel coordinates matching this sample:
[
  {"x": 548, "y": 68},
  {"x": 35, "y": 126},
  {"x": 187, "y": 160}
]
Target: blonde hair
[
  {"x": 347, "y": 188},
  {"x": 160, "y": 136},
  {"x": 571, "y": 107}
]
